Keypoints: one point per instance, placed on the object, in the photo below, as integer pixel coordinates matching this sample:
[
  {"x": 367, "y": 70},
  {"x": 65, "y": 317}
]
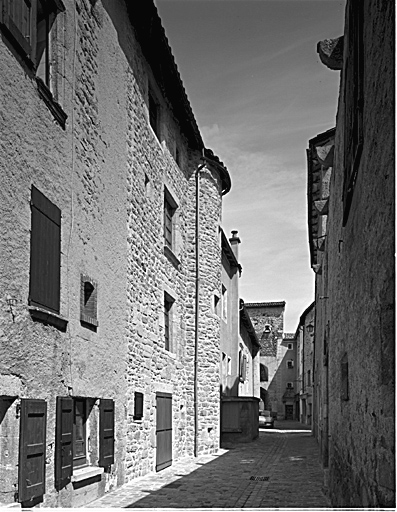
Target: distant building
[
  {"x": 354, "y": 263},
  {"x": 268, "y": 321},
  {"x": 239, "y": 364}
]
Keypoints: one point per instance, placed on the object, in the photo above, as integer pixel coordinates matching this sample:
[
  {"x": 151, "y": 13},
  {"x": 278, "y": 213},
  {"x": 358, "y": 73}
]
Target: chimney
[{"x": 234, "y": 242}]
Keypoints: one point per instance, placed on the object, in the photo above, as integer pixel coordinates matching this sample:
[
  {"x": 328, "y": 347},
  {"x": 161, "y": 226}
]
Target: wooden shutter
[
  {"x": 106, "y": 432},
  {"x": 45, "y": 253},
  {"x": 32, "y": 449},
  {"x": 64, "y": 442},
  {"x": 19, "y": 18}
]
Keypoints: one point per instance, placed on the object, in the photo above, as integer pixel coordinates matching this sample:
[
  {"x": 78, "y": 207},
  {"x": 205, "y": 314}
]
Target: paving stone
[{"x": 288, "y": 455}]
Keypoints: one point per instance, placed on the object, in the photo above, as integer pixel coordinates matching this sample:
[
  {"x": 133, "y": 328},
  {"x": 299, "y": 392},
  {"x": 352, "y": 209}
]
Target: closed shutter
[
  {"x": 106, "y": 432},
  {"x": 45, "y": 253},
  {"x": 19, "y": 18},
  {"x": 63, "y": 442},
  {"x": 32, "y": 449}
]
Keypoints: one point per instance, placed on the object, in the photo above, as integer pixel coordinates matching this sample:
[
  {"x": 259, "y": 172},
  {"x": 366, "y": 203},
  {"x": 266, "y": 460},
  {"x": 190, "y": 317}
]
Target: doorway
[
  {"x": 289, "y": 412},
  {"x": 163, "y": 430}
]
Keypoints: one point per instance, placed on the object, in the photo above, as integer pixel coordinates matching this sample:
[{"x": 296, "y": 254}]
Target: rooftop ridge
[{"x": 257, "y": 304}]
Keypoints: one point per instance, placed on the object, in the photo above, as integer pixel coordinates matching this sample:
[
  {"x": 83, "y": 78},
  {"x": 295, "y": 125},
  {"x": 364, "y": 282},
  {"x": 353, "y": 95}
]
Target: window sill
[
  {"x": 86, "y": 473},
  {"x": 54, "y": 107},
  {"x": 171, "y": 257},
  {"x": 48, "y": 317}
]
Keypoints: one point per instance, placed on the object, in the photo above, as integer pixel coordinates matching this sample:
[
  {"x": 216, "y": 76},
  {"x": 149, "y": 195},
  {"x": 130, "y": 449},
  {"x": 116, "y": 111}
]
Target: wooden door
[
  {"x": 163, "y": 430},
  {"x": 289, "y": 412}
]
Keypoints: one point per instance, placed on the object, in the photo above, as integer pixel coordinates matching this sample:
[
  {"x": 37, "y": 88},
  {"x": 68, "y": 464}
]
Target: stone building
[
  {"x": 304, "y": 337},
  {"x": 239, "y": 356},
  {"x": 110, "y": 254},
  {"x": 289, "y": 381},
  {"x": 268, "y": 321},
  {"x": 354, "y": 265}
]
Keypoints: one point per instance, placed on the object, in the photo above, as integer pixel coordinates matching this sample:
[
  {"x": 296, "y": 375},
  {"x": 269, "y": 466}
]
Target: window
[
  {"x": 354, "y": 101},
  {"x": 168, "y": 302},
  {"x": 45, "y": 253},
  {"x": 290, "y": 385},
  {"x": 290, "y": 346},
  {"x": 28, "y": 24},
  {"x": 169, "y": 220},
  {"x": 268, "y": 328},
  {"x": 264, "y": 373},
  {"x": 309, "y": 378},
  {"x": 74, "y": 428},
  {"x": 79, "y": 432},
  {"x": 154, "y": 117},
  {"x": 344, "y": 378},
  {"x": 290, "y": 364},
  {"x": 229, "y": 365},
  {"x": 224, "y": 303},
  {"x": 138, "y": 405},
  {"x": 88, "y": 301},
  {"x": 242, "y": 367}
]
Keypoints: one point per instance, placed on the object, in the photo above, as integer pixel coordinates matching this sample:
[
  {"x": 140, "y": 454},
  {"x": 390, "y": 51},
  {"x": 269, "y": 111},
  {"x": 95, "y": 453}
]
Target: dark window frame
[
  {"x": 170, "y": 208},
  {"x": 154, "y": 114},
  {"x": 138, "y": 405}
]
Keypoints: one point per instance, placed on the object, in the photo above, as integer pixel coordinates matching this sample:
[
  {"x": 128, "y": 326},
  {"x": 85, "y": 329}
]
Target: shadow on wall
[{"x": 279, "y": 382}]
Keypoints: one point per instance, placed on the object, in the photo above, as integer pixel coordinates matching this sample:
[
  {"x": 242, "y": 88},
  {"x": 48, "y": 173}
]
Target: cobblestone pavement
[{"x": 280, "y": 469}]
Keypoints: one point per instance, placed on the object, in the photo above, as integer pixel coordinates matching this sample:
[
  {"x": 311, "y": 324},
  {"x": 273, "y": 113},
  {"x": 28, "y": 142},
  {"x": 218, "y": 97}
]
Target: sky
[{"x": 259, "y": 92}]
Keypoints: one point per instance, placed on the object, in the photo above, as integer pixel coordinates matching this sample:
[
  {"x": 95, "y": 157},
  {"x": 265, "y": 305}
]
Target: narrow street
[{"x": 280, "y": 469}]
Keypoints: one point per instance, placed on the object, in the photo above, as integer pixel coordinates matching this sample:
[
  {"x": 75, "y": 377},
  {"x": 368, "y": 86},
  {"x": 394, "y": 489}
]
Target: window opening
[{"x": 79, "y": 432}]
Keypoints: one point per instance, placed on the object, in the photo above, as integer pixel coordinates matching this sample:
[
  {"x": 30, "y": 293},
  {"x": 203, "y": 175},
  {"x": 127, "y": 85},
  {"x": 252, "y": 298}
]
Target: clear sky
[{"x": 259, "y": 92}]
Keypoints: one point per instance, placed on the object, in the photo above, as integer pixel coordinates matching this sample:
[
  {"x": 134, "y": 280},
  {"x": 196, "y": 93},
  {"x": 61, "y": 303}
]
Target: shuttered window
[
  {"x": 106, "y": 432},
  {"x": 88, "y": 301},
  {"x": 354, "y": 102},
  {"x": 64, "y": 442},
  {"x": 45, "y": 253},
  {"x": 32, "y": 449},
  {"x": 18, "y": 17}
]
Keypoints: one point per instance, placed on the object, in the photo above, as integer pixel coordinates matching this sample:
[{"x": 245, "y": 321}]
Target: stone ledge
[
  {"x": 86, "y": 473},
  {"x": 48, "y": 317},
  {"x": 171, "y": 257}
]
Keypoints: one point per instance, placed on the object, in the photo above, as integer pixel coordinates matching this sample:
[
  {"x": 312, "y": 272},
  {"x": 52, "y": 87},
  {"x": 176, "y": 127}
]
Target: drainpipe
[{"x": 196, "y": 327}]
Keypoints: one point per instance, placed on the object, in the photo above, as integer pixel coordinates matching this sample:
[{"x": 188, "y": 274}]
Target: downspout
[{"x": 197, "y": 304}]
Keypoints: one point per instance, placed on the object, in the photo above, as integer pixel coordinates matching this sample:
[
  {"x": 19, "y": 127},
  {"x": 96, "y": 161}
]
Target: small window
[
  {"x": 168, "y": 303},
  {"x": 290, "y": 364},
  {"x": 216, "y": 305},
  {"x": 88, "y": 301},
  {"x": 138, "y": 405},
  {"x": 169, "y": 220},
  {"x": 229, "y": 365},
  {"x": 45, "y": 253},
  {"x": 290, "y": 346},
  {"x": 177, "y": 156},
  {"x": 224, "y": 303},
  {"x": 290, "y": 385},
  {"x": 243, "y": 367},
  {"x": 79, "y": 432},
  {"x": 309, "y": 378},
  {"x": 268, "y": 328},
  {"x": 154, "y": 114}
]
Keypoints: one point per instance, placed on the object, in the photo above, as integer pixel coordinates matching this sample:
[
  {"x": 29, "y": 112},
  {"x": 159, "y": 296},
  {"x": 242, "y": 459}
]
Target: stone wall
[
  {"x": 107, "y": 171},
  {"x": 358, "y": 319},
  {"x": 268, "y": 321}
]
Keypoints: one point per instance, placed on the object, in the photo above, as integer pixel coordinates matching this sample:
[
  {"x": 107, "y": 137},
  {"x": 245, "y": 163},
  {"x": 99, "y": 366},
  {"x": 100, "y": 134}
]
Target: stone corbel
[
  {"x": 331, "y": 52},
  {"x": 322, "y": 206}
]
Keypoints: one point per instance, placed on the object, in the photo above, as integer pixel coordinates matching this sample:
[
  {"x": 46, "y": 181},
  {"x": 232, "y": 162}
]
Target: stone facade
[
  {"x": 354, "y": 334},
  {"x": 109, "y": 142},
  {"x": 268, "y": 321}
]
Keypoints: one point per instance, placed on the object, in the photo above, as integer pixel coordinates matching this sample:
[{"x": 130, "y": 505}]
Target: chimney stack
[{"x": 234, "y": 242}]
